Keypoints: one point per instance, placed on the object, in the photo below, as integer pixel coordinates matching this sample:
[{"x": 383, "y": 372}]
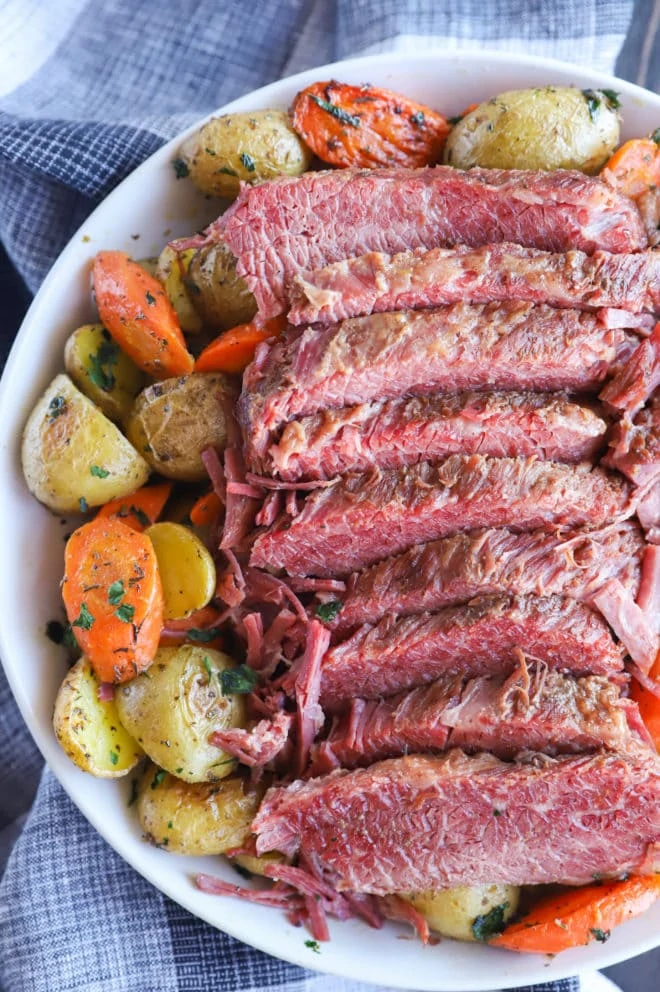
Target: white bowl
[{"x": 151, "y": 203}]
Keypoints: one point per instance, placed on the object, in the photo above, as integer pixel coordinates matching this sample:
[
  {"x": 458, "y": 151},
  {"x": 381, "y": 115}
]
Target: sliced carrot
[
  {"x": 206, "y": 509},
  {"x": 141, "y": 509},
  {"x": 234, "y": 350},
  {"x": 649, "y": 703},
  {"x": 113, "y": 597},
  {"x": 201, "y": 623},
  {"x": 136, "y": 311},
  {"x": 579, "y": 916},
  {"x": 367, "y": 127},
  {"x": 634, "y": 168}
]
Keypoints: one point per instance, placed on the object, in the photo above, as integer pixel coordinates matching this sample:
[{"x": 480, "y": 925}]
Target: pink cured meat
[
  {"x": 425, "y": 428},
  {"x": 542, "y": 711},
  {"x": 286, "y": 226},
  {"x": 458, "y": 568},
  {"x": 510, "y": 346},
  {"x": 634, "y": 446},
  {"x": 471, "y": 820},
  {"x": 639, "y": 377},
  {"x": 363, "y": 518},
  {"x": 375, "y": 282},
  {"x": 477, "y": 639}
]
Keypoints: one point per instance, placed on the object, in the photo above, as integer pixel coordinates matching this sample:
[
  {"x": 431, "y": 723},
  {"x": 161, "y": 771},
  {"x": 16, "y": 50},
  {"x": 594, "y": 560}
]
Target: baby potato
[
  {"x": 73, "y": 456},
  {"x": 463, "y": 912},
  {"x": 221, "y": 297},
  {"x": 102, "y": 371},
  {"x": 195, "y": 818},
  {"x": 171, "y": 270},
  {"x": 250, "y": 147},
  {"x": 173, "y": 708},
  {"x": 550, "y": 127},
  {"x": 186, "y": 569},
  {"x": 89, "y": 730},
  {"x": 173, "y": 421},
  {"x": 256, "y": 864}
]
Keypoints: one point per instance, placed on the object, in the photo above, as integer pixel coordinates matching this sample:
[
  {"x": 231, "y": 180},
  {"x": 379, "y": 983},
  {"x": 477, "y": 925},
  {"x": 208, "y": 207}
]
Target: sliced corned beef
[
  {"x": 421, "y": 822},
  {"x": 291, "y": 225},
  {"x": 634, "y": 445},
  {"x": 479, "y": 638},
  {"x": 411, "y": 280},
  {"x": 456, "y": 569},
  {"x": 402, "y": 432},
  {"x": 631, "y": 387},
  {"x": 509, "y": 346},
  {"x": 541, "y": 710},
  {"x": 363, "y": 518}
]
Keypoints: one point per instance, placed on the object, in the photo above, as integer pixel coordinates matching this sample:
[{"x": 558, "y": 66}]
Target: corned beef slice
[
  {"x": 456, "y": 569},
  {"x": 287, "y": 226},
  {"x": 507, "y": 346},
  {"x": 363, "y": 518},
  {"x": 634, "y": 446},
  {"x": 542, "y": 710},
  {"x": 636, "y": 381},
  {"x": 417, "y": 822},
  {"x": 477, "y": 639},
  {"x": 425, "y": 428},
  {"x": 376, "y": 282}
]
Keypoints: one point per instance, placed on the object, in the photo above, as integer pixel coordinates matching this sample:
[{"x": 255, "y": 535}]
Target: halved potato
[
  {"x": 186, "y": 569},
  {"x": 195, "y": 818},
  {"x": 466, "y": 912},
  {"x": 171, "y": 270},
  {"x": 173, "y": 708},
  {"x": 218, "y": 294},
  {"x": 73, "y": 456},
  {"x": 102, "y": 371},
  {"x": 89, "y": 730}
]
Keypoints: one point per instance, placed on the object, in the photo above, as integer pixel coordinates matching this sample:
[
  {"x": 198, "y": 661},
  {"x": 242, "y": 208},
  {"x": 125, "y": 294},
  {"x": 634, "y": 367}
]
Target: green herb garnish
[
  {"x": 100, "y": 365},
  {"x": 98, "y": 472},
  {"x": 116, "y": 592},
  {"x": 313, "y": 946},
  {"x": 207, "y": 666},
  {"x": 203, "y": 636},
  {"x": 485, "y": 927},
  {"x": 331, "y": 108},
  {"x": 593, "y": 102},
  {"x": 84, "y": 618},
  {"x": 181, "y": 170},
  {"x": 83, "y": 504},
  {"x": 151, "y": 299},
  {"x": 56, "y": 408},
  {"x": 114, "y": 757},
  {"x": 125, "y": 612},
  {"x": 655, "y": 135},
  {"x": 328, "y": 611},
  {"x": 158, "y": 778},
  {"x": 60, "y": 633},
  {"x": 613, "y": 99},
  {"x": 601, "y": 935},
  {"x": 137, "y": 512},
  {"x": 247, "y": 161},
  {"x": 237, "y": 681}
]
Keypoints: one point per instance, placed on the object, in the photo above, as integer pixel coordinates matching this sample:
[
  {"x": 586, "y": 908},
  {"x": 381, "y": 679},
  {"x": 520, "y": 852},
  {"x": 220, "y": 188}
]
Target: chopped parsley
[
  {"x": 226, "y": 171},
  {"x": 313, "y": 946},
  {"x": 203, "y": 636},
  {"x": 247, "y": 161},
  {"x": 207, "y": 666},
  {"x": 151, "y": 300},
  {"x": 82, "y": 503},
  {"x": 84, "y": 620},
  {"x": 56, "y": 408},
  {"x": 125, "y": 612},
  {"x": 486, "y": 926},
  {"x": 137, "y": 512},
  {"x": 601, "y": 935},
  {"x": 100, "y": 365},
  {"x": 237, "y": 681},
  {"x": 169, "y": 824},
  {"x": 612, "y": 98},
  {"x": 328, "y": 611},
  {"x": 181, "y": 170},
  {"x": 655, "y": 135},
  {"x": 331, "y": 108},
  {"x": 98, "y": 472},
  {"x": 116, "y": 592},
  {"x": 114, "y": 757},
  {"x": 594, "y": 99},
  {"x": 158, "y": 778},
  {"x": 418, "y": 118},
  {"x": 60, "y": 633}
]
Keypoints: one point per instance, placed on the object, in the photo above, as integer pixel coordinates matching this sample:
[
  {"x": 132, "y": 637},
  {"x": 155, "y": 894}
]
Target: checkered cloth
[{"x": 87, "y": 91}]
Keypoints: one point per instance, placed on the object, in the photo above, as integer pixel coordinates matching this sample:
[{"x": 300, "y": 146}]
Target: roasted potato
[
  {"x": 149, "y": 265},
  {"x": 466, "y": 912},
  {"x": 249, "y": 147},
  {"x": 102, "y": 371},
  {"x": 173, "y": 708},
  {"x": 173, "y": 421},
  {"x": 89, "y": 730},
  {"x": 221, "y": 298},
  {"x": 73, "y": 456},
  {"x": 255, "y": 864},
  {"x": 186, "y": 569},
  {"x": 199, "y": 818},
  {"x": 550, "y": 127},
  {"x": 171, "y": 270}
]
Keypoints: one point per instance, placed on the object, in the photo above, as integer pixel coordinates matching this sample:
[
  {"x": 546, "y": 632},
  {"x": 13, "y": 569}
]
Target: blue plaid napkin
[{"x": 87, "y": 91}]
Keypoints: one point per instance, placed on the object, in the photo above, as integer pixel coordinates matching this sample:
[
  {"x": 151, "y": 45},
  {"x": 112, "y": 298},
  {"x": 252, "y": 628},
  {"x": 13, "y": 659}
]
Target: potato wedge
[
  {"x": 89, "y": 730},
  {"x": 467, "y": 912},
  {"x": 250, "y": 147},
  {"x": 171, "y": 270},
  {"x": 102, "y": 371},
  {"x": 73, "y": 456},
  {"x": 173, "y": 708},
  {"x": 187, "y": 570},
  {"x": 550, "y": 127},
  {"x": 219, "y": 295},
  {"x": 173, "y": 421},
  {"x": 199, "y": 818}
]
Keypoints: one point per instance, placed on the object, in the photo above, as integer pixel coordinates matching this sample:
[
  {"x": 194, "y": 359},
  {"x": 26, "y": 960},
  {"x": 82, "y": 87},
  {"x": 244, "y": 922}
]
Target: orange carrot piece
[
  {"x": 367, "y": 127},
  {"x": 634, "y": 167},
  {"x": 649, "y": 704},
  {"x": 204, "y": 620},
  {"x": 141, "y": 509},
  {"x": 234, "y": 350},
  {"x": 579, "y": 916},
  {"x": 113, "y": 597},
  {"x": 136, "y": 311},
  {"x": 206, "y": 509}
]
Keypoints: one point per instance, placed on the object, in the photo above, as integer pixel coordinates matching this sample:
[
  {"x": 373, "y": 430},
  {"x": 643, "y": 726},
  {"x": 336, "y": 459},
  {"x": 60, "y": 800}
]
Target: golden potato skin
[
  {"x": 452, "y": 912},
  {"x": 102, "y": 371},
  {"x": 89, "y": 730},
  {"x": 171, "y": 270},
  {"x": 221, "y": 297},
  {"x": 250, "y": 147},
  {"x": 200, "y": 818},
  {"x": 173, "y": 708},
  {"x": 73, "y": 455},
  {"x": 172, "y": 422},
  {"x": 256, "y": 864},
  {"x": 186, "y": 569},
  {"x": 550, "y": 127}
]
